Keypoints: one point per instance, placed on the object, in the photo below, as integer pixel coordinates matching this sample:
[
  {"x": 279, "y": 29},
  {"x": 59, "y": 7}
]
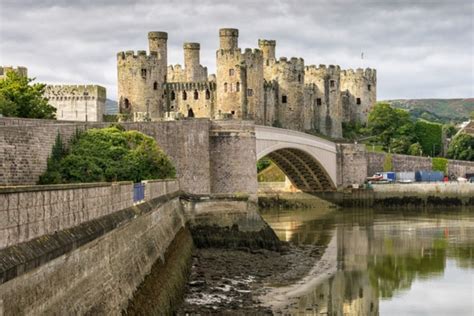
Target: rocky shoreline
[{"x": 230, "y": 281}]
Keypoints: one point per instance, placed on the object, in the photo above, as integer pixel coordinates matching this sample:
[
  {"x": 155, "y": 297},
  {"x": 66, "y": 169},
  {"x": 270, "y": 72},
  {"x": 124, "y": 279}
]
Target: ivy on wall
[
  {"x": 387, "y": 163},
  {"x": 429, "y": 136},
  {"x": 440, "y": 164}
]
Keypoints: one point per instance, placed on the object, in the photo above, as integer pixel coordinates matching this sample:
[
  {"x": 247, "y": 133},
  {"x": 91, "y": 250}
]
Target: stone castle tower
[{"x": 250, "y": 84}]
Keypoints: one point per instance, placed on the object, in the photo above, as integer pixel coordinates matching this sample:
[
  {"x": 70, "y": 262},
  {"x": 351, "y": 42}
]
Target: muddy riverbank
[{"x": 230, "y": 281}]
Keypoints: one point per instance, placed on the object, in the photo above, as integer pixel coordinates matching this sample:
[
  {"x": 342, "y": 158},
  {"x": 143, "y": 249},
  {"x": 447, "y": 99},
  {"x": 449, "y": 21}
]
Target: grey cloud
[{"x": 420, "y": 48}]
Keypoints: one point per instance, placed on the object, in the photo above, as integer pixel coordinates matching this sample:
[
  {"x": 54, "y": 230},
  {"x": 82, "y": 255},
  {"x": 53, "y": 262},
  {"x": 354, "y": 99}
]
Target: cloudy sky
[{"x": 421, "y": 49}]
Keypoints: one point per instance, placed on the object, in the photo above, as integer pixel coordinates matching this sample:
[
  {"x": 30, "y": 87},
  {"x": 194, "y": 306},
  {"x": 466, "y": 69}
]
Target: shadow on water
[{"x": 386, "y": 262}]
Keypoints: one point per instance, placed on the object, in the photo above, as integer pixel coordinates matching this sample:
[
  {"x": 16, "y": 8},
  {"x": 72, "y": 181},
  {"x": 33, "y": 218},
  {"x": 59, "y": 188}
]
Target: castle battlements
[
  {"x": 188, "y": 86},
  {"x": 138, "y": 55},
  {"x": 367, "y": 73},
  {"x": 323, "y": 70},
  {"x": 75, "y": 90}
]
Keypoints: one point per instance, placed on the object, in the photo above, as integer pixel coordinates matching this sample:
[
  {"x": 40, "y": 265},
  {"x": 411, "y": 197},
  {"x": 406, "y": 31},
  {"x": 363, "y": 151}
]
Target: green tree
[
  {"x": 462, "y": 147},
  {"x": 415, "y": 149},
  {"x": 108, "y": 154},
  {"x": 20, "y": 98},
  {"x": 391, "y": 127}
]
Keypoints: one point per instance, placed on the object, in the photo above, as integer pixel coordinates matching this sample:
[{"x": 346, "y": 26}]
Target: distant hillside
[
  {"x": 111, "y": 107},
  {"x": 437, "y": 110}
]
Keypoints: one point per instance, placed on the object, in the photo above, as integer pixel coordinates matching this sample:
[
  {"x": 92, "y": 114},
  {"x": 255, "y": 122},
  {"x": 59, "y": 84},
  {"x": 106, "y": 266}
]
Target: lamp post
[{"x": 86, "y": 96}]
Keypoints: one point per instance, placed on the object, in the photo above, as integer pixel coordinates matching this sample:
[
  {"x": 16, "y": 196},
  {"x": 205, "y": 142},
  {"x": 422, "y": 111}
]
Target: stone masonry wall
[
  {"x": 375, "y": 162},
  {"x": 352, "y": 164},
  {"x": 99, "y": 277},
  {"x": 26, "y": 144},
  {"x": 30, "y": 212},
  {"x": 233, "y": 160}
]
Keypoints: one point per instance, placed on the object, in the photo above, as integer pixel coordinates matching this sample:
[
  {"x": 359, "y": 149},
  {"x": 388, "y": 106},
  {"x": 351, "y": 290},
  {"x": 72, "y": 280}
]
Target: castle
[
  {"x": 22, "y": 71},
  {"x": 251, "y": 84},
  {"x": 84, "y": 103}
]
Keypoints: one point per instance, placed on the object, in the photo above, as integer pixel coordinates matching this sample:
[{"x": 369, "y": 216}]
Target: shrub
[
  {"x": 440, "y": 164},
  {"x": 108, "y": 154},
  {"x": 462, "y": 147},
  {"x": 415, "y": 149}
]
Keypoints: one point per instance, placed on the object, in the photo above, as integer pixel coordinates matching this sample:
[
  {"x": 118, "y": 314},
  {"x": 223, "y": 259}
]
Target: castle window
[
  {"x": 268, "y": 62},
  {"x": 284, "y": 99},
  {"x": 164, "y": 78},
  {"x": 232, "y": 112},
  {"x": 196, "y": 95},
  {"x": 369, "y": 87},
  {"x": 208, "y": 94},
  {"x": 185, "y": 95},
  {"x": 155, "y": 85},
  {"x": 126, "y": 103},
  {"x": 358, "y": 101},
  {"x": 190, "y": 112},
  {"x": 225, "y": 87},
  {"x": 237, "y": 87},
  {"x": 299, "y": 77},
  {"x": 249, "y": 92},
  {"x": 319, "y": 102},
  {"x": 144, "y": 73},
  {"x": 231, "y": 72},
  {"x": 332, "y": 83},
  {"x": 173, "y": 95}
]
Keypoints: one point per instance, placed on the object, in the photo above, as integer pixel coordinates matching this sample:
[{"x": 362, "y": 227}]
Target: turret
[
  {"x": 192, "y": 64},
  {"x": 268, "y": 48},
  {"x": 229, "y": 39},
  {"x": 157, "y": 43}
]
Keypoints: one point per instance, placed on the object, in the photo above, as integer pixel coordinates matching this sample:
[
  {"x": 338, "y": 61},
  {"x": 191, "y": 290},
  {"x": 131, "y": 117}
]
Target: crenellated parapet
[
  {"x": 81, "y": 92},
  {"x": 176, "y": 73},
  {"x": 368, "y": 74},
  {"x": 190, "y": 86}
]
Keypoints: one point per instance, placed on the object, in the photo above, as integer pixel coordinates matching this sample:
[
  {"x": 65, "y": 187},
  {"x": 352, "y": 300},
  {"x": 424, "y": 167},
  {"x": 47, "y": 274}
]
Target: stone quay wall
[
  {"x": 28, "y": 212},
  {"x": 375, "y": 162},
  {"x": 101, "y": 276}
]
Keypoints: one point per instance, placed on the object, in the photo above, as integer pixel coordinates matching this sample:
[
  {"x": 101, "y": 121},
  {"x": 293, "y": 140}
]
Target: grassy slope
[{"x": 437, "y": 110}]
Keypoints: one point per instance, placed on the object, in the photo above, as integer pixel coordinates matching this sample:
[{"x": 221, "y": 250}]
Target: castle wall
[
  {"x": 268, "y": 49},
  {"x": 361, "y": 86},
  {"x": 22, "y": 71},
  {"x": 195, "y": 99},
  {"x": 309, "y": 107},
  {"x": 77, "y": 102},
  {"x": 290, "y": 77},
  {"x": 24, "y": 148},
  {"x": 140, "y": 80},
  {"x": 327, "y": 96},
  {"x": 270, "y": 103},
  {"x": 176, "y": 73},
  {"x": 254, "y": 89},
  {"x": 230, "y": 75}
]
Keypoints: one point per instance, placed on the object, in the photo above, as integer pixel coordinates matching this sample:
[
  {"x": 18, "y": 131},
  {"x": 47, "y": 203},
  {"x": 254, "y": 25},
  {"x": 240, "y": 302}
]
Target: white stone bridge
[{"x": 310, "y": 162}]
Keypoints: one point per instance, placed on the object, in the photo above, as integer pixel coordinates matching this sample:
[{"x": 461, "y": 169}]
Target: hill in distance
[
  {"x": 111, "y": 107},
  {"x": 437, "y": 110}
]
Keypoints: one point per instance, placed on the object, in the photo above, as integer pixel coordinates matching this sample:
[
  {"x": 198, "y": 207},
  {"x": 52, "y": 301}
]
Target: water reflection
[{"x": 381, "y": 256}]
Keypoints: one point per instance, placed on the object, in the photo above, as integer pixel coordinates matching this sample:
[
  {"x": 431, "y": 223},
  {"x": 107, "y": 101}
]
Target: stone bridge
[{"x": 310, "y": 162}]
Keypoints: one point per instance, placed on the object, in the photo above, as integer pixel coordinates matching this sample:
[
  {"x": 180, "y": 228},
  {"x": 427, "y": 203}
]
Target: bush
[
  {"x": 440, "y": 164},
  {"x": 462, "y": 147},
  {"x": 429, "y": 136},
  {"x": 415, "y": 149},
  {"x": 108, "y": 154}
]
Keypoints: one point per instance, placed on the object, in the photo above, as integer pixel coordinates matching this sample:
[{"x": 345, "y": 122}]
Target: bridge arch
[{"x": 309, "y": 162}]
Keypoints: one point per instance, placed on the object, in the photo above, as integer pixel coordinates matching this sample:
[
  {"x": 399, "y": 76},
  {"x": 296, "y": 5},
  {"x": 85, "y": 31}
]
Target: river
[{"x": 378, "y": 262}]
